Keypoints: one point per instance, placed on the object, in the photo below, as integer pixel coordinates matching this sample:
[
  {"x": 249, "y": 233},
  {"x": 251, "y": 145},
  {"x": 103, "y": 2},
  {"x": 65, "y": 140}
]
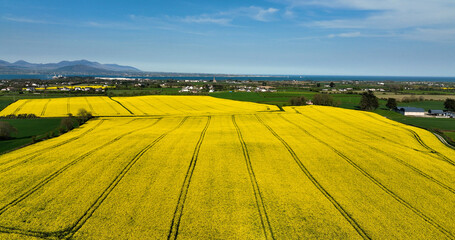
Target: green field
[
  {"x": 428, "y": 123},
  {"x": 26, "y": 129},
  {"x": 451, "y": 135},
  {"x": 350, "y": 101},
  {"x": 4, "y": 103},
  {"x": 144, "y": 91},
  {"x": 277, "y": 98}
]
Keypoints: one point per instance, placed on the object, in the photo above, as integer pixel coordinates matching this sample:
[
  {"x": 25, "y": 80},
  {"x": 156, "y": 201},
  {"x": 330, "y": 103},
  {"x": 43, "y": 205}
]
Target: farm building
[
  {"x": 436, "y": 112},
  {"x": 411, "y": 111}
]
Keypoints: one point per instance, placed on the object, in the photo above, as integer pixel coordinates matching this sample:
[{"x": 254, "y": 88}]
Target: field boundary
[{"x": 443, "y": 140}]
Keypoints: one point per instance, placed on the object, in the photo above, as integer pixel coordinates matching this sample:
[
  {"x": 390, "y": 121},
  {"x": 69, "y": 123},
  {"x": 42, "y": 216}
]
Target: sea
[{"x": 259, "y": 78}]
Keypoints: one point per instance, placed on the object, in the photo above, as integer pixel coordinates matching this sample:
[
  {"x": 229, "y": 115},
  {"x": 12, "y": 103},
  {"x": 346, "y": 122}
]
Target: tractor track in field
[
  {"x": 131, "y": 105},
  {"x": 313, "y": 180},
  {"x": 71, "y": 230},
  {"x": 45, "y": 107},
  {"x": 30, "y": 233},
  {"x": 419, "y": 140},
  {"x": 184, "y": 104},
  {"x": 68, "y": 106},
  {"x": 415, "y": 169},
  {"x": 431, "y": 153},
  {"x": 170, "y": 106},
  {"x": 162, "y": 112},
  {"x": 175, "y": 223},
  {"x": 55, "y": 174},
  {"x": 89, "y": 105},
  {"x": 112, "y": 107},
  {"x": 383, "y": 187},
  {"x": 266, "y": 226},
  {"x": 142, "y": 100},
  {"x": 37, "y": 153},
  {"x": 20, "y": 106},
  {"x": 442, "y": 156}
]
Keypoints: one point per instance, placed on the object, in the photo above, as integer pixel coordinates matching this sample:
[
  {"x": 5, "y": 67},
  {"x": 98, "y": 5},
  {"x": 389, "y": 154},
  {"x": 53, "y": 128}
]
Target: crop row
[{"x": 309, "y": 172}]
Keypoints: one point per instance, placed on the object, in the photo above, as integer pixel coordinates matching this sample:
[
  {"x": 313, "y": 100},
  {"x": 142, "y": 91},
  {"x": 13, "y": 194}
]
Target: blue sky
[{"x": 304, "y": 37}]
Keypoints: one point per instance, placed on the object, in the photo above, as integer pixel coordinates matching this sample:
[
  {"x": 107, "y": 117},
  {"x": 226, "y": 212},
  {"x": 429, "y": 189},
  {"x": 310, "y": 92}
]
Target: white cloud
[
  {"x": 408, "y": 16},
  {"x": 253, "y": 12},
  {"x": 226, "y": 18},
  {"x": 346, "y": 35},
  {"x": 289, "y": 13},
  {"x": 206, "y": 19},
  {"x": 431, "y": 34},
  {"x": 24, "y": 20},
  {"x": 262, "y": 14}
]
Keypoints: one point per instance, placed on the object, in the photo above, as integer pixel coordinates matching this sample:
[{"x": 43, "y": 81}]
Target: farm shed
[
  {"x": 411, "y": 111},
  {"x": 436, "y": 112}
]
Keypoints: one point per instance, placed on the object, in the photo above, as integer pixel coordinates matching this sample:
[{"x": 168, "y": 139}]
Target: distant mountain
[
  {"x": 64, "y": 67},
  {"x": 78, "y": 68}
]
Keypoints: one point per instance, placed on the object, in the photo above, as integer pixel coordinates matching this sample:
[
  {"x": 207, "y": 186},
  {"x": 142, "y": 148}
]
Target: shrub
[
  {"x": 324, "y": 100},
  {"x": 298, "y": 101},
  {"x": 83, "y": 115},
  {"x": 391, "y": 103},
  {"x": 369, "y": 101},
  {"x": 6, "y": 130},
  {"x": 449, "y": 104}
]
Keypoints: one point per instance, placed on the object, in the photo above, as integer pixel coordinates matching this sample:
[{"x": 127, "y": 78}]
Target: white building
[{"x": 411, "y": 111}]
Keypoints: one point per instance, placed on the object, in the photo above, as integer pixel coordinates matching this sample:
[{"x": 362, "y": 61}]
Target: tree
[
  {"x": 66, "y": 124},
  {"x": 391, "y": 103},
  {"x": 332, "y": 84},
  {"x": 318, "y": 85},
  {"x": 324, "y": 100},
  {"x": 298, "y": 101},
  {"x": 6, "y": 130},
  {"x": 449, "y": 104},
  {"x": 369, "y": 101},
  {"x": 83, "y": 115}
]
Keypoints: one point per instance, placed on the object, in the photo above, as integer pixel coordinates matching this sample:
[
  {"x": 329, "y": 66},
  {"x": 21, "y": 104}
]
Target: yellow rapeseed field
[
  {"x": 133, "y": 106},
  {"x": 206, "y": 168}
]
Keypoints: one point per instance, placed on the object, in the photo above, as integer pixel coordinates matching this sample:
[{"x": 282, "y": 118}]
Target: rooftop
[{"x": 411, "y": 109}]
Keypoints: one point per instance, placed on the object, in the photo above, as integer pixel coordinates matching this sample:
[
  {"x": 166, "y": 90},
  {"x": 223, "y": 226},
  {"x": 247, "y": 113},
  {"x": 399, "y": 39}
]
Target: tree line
[{"x": 368, "y": 101}]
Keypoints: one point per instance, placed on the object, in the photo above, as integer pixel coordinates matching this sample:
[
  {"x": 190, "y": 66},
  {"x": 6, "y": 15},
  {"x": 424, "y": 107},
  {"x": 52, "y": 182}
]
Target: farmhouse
[
  {"x": 411, "y": 111},
  {"x": 265, "y": 89}
]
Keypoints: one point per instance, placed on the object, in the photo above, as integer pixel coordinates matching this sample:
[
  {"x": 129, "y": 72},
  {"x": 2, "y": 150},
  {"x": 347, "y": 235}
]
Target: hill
[{"x": 63, "y": 67}]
